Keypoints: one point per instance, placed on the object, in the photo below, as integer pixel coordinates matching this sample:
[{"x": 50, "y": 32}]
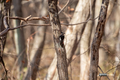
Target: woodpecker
[{"x": 61, "y": 38}]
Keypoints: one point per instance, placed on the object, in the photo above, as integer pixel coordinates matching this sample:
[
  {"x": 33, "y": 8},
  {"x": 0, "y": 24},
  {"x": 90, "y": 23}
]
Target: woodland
[{"x": 59, "y": 39}]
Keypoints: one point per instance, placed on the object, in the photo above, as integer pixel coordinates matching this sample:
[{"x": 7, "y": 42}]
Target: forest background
[{"x": 29, "y": 52}]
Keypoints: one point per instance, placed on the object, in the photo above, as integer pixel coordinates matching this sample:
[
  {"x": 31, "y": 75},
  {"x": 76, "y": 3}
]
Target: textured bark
[
  {"x": 103, "y": 56},
  {"x": 73, "y": 33},
  {"x": 97, "y": 40},
  {"x": 19, "y": 37},
  {"x": 58, "y": 40},
  {"x": 4, "y": 11},
  {"x": 85, "y": 44},
  {"x": 38, "y": 45}
]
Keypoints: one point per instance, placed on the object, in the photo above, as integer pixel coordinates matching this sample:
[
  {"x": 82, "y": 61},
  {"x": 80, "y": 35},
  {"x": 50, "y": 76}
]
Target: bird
[{"x": 61, "y": 38}]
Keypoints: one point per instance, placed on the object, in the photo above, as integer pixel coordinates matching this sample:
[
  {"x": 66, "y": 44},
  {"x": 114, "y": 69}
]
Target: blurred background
[{"x": 25, "y": 44}]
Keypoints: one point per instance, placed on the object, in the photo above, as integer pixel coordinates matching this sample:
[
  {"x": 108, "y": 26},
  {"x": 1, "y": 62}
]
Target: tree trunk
[
  {"x": 19, "y": 37},
  {"x": 74, "y": 32},
  {"x": 103, "y": 56},
  {"x": 97, "y": 40},
  {"x": 85, "y": 45},
  {"x": 4, "y": 11},
  {"x": 58, "y": 40},
  {"x": 38, "y": 45}
]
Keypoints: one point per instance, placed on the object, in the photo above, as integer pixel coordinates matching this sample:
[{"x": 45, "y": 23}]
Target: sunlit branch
[{"x": 32, "y": 24}]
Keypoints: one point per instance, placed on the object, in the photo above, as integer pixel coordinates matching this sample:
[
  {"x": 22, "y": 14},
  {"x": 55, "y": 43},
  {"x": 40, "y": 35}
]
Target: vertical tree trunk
[
  {"x": 74, "y": 32},
  {"x": 97, "y": 40},
  {"x": 103, "y": 56},
  {"x": 38, "y": 45},
  {"x": 4, "y": 11},
  {"x": 58, "y": 40},
  {"x": 85, "y": 44},
  {"x": 19, "y": 37}
]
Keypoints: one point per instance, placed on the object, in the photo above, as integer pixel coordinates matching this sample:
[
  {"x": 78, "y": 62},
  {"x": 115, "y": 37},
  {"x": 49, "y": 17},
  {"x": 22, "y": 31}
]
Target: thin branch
[
  {"x": 81, "y": 54},
  {"x": 100, "y": 69},
  {"x": 29, "y": 18},
  {"x": 65, "y": 14},
  {"x": 103, "y": 72},
  {"x": 64, "y": 7},
  {"x": 31, "y": 24},
  {"x": 45, "y": 18},
  {"x": 5, "y": 22},
  {"x": 81, "y": 22},
  {"x": 21, "y": 26},
  {"x": 13, "y": 68},
  {"x": 112, "y": 68}
]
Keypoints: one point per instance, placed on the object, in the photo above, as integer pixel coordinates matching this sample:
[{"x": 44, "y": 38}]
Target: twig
[
  {"x": 21, "y": 26},
  {"x": 100, "y": 69},
  {"x": 64, "y": 7},
  {"x": 12, "y": 71},
  {"x": 112, "y": 68},
  {"x": 103, "y": 72},
  {"x": 45, "y": 18},
  {"x": 29, "y": 18},
  {"x": 65, "y": 14},
  {"x": 81, "y": 22},
  {"x": 31, "y": 24},
  {"x": 81, "y": 54}
]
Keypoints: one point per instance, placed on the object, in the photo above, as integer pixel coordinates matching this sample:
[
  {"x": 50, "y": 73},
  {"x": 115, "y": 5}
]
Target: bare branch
[
  {"x": 5, "y": 22},
  {"x": 103, "y": 72},
  {"x": 64, "y": 7},
  {"x": 21, "y": 26},
  {"x": 46, "y": 18},
  {"x": 80, "y": 22},
  {"x": 112, "y": 68},
  {"x": 65, "y": 14},
  {"x": 29, "y": 18}
]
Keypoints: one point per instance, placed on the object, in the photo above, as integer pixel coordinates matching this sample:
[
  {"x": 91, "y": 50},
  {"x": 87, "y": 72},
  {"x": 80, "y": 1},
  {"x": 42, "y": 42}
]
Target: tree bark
[
  {"x": 74, "y": 32},
  {"x": 85, "y": 45},
  {"x": 97, "y": 40},
  {"x": 58, "y": 40},
  {"x": 4, "y": 11},
  {"x": 103, "y": 56},
  {"x": 38, "y": 45},
  {"x": 19, "y": 37}
]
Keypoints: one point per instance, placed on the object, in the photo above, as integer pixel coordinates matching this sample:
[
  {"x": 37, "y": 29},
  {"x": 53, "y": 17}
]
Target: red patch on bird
[
  {"x": 23, "y": 61},
  {"x": 7, "y": 1}
]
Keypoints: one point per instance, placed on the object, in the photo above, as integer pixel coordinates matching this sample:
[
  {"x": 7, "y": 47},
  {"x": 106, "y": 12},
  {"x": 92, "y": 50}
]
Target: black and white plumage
[{"x": 61, "y": 38}]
